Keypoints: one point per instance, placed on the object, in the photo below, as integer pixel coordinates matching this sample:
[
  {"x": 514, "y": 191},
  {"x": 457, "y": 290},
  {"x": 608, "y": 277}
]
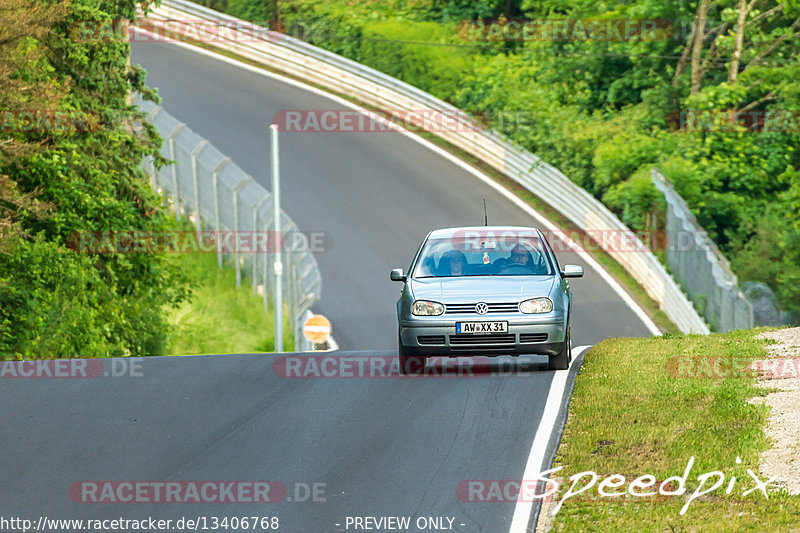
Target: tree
[{"x": 55, "y": 302}]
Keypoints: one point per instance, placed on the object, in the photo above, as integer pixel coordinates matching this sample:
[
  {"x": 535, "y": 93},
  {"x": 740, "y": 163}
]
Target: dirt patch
[{"x": 780, "y": 371}]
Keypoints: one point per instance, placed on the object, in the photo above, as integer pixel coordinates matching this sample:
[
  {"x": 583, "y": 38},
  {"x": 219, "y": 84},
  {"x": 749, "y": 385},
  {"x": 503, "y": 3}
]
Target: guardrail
[
  {"x": 700, "y": 266},
  {"x": 223, "y": 198},
  {"x": 341, "y": 75}
]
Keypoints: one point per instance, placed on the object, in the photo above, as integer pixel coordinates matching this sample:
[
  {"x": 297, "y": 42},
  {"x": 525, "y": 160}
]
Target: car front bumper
[{"x": 527, "y": 334}]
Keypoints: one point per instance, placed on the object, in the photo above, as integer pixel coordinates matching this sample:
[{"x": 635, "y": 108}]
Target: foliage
[{"x": 56, "y": 183}]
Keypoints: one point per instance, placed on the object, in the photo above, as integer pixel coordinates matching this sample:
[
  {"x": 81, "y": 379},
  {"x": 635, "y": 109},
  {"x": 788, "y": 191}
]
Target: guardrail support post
[
  {"x": 267, "y": 226},
  {"x": 292, "y": 294},
  {"x": 176, "y": 195},
  {"x": 202, "y": 144},
  {"x": 215, "y": 187},
  {"x": 252, "y": 240},
  {"x": 236, "y": 230}
]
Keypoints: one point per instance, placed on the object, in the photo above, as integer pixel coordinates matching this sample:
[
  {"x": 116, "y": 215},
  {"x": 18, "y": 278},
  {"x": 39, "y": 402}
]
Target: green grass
[
  {"x": 219, "y": 317},
  {"x": 631, "y": 415}
]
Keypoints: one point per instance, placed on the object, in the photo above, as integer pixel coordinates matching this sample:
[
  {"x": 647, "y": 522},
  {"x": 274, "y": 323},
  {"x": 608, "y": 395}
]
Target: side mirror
[
  {"x": 572, "y": 271},
  {"x": 397, "y": 274}
]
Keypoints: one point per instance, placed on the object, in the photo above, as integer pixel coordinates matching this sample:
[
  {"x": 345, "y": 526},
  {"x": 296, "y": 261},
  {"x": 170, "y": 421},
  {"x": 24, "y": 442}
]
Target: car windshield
[{"x": 483, "y": 254}]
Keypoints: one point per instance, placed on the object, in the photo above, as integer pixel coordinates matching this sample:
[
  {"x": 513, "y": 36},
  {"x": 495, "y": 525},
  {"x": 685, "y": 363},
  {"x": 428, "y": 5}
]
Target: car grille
[
  {"x": 482, "y": 340},
  {"x": 495, "y": 343},
  {"x": 510, "y": 307},
  {"x": 532, "y": 337},
  {"x": 430, "y": 339}
]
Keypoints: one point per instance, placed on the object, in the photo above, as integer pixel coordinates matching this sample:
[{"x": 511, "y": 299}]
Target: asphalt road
[{"x": 393, "y": 447}]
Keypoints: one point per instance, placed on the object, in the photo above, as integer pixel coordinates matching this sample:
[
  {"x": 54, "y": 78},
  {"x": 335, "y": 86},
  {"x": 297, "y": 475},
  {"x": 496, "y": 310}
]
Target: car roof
[{"x": 481, "y": 230}]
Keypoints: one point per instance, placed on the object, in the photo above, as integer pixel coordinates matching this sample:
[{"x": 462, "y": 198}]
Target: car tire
[
  {"x": 562, "y": 359},
  {"x": 409, "y": 364}
]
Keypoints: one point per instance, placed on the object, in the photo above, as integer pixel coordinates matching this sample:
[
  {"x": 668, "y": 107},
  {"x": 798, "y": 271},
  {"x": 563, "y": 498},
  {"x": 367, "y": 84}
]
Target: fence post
[
  {"x": 292, "y": 293},
  {"x": 266, "y": 244},
  {"x": 214, "y": 186},
  {"x": 267, "y": 225},
  {"x": 236, "y": 190},
  {"x": 303, "y": 346},
  {"x": 150, "y": 117},
  {"x": 176, "y": 195},
  {"x": 195, "y": 190}
]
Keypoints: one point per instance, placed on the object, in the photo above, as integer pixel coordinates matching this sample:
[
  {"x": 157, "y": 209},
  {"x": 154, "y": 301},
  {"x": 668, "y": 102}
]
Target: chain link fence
[
  {"x": 218, "y": 196},
  {"x": 699, "y": 266}
]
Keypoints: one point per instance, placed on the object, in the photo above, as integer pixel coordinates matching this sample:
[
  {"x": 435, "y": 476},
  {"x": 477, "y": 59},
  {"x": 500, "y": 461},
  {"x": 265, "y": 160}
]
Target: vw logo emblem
[{"x": 481, "y": 308}]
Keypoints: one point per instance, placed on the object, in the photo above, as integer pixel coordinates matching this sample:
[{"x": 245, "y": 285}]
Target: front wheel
[
  {"x": 409, "y": 364},
  {"x": 561, "y": 360}
]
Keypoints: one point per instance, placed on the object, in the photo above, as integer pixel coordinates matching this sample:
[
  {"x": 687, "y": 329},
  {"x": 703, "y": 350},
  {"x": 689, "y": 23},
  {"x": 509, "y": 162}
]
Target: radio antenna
[{"x": 485, "y": 214}]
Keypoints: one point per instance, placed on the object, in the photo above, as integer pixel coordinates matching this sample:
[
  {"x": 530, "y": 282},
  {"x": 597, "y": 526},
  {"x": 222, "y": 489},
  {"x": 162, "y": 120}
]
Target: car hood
[{"x": 481, "y": 288}]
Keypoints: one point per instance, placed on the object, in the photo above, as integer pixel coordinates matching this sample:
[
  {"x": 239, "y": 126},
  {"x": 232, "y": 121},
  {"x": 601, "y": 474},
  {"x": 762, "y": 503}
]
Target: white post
[
  {"x": 176, "y": 195},
  {"x": 253, "y": 240},
  {"x": 217, "y": 228},
  {"x": 277, "y": 307},
  {"x": 266, "y": 273},
  {"x": 195, "y": 188},
  {"x": 235, "y": 199}
]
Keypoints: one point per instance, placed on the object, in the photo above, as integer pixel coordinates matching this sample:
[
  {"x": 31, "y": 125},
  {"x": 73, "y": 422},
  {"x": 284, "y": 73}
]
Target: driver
[{"x": 520, "y": 255}]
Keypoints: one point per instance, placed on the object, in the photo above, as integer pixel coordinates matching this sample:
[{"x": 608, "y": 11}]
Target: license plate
[{"x": 481, "y": 328}]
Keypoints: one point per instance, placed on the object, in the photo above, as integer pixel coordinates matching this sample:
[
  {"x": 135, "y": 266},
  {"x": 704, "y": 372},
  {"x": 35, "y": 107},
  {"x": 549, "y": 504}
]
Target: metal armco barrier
[
  {"x": 700, "y": 267},
  {"x": 286, "y": 54},
  {"x": 222, "y": 197}
]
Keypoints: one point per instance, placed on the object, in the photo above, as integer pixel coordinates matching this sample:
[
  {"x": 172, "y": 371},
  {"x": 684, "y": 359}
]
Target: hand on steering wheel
[{"x": 515, "y": 266}]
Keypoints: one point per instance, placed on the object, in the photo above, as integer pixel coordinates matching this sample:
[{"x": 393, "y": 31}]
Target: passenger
[{"x": 453, "y": 263}]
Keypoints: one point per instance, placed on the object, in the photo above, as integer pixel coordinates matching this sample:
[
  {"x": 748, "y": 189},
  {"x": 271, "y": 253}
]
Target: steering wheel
[{"x": 516, "y": 267}]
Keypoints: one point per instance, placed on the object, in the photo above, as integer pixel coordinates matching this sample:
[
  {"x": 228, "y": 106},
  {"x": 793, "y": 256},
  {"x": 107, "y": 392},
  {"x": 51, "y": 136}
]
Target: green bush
[
  {"x": 431, "y": 65},
  {"x": 54, "y": 184}
]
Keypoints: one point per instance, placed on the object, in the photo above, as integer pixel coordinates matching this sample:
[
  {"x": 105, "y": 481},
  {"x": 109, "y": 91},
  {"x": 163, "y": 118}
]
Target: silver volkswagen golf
[{"x": 485, "y": 290}]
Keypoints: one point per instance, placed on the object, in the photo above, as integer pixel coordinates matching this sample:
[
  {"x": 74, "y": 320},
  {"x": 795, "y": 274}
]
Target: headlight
[
  {"x": 536, "y": 305},
  {"x": 425, "y": 308}
]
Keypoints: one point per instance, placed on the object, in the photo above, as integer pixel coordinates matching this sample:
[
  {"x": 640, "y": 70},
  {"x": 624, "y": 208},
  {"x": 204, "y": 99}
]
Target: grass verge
[
  {"x": 645, "y": 406},
  {"x": 220, "y": 317}
]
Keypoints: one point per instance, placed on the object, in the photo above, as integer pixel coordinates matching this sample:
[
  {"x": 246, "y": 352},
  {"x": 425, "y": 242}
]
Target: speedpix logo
[{"x": 614, "y": 486}]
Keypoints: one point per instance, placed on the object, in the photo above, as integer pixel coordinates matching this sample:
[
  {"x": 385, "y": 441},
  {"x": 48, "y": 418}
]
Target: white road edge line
[
  {"x": 547, "y": 223},
  {"x": 522, "y": 511}
]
